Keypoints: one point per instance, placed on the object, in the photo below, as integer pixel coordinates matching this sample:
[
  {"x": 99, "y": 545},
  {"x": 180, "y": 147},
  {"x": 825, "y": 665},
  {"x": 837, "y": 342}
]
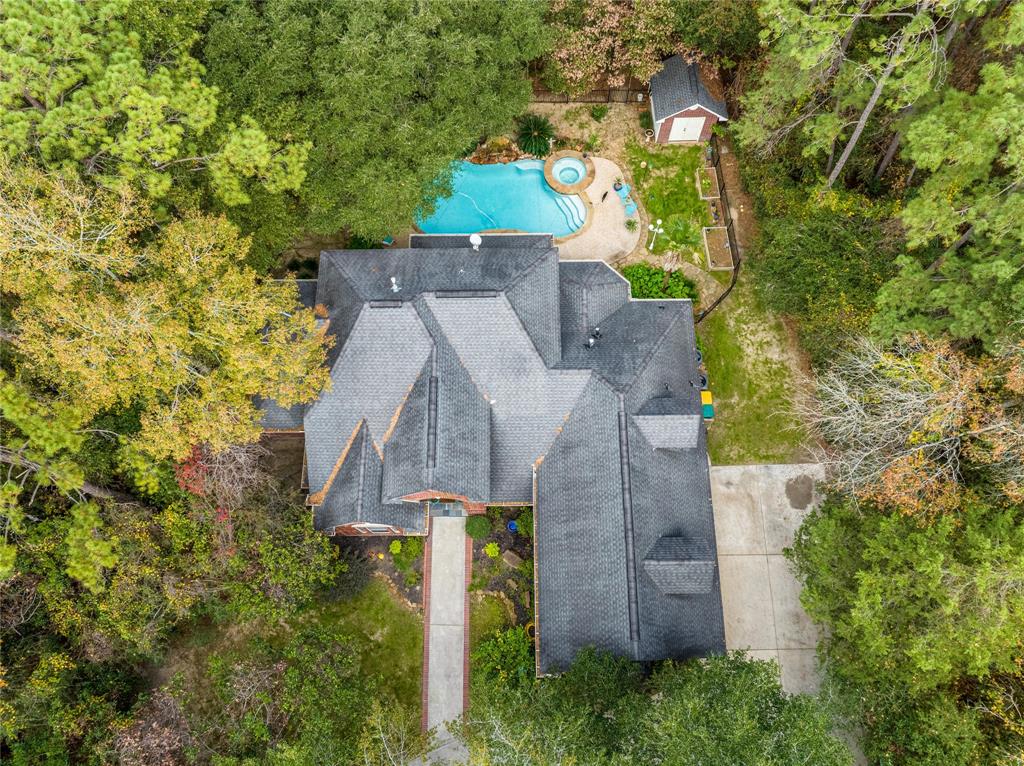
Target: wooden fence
[{"x": 634, "y": 91}]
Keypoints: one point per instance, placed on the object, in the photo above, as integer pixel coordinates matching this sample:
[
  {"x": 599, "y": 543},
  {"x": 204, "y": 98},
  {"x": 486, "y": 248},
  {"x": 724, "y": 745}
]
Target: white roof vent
[{"x": 394, "y": 285}]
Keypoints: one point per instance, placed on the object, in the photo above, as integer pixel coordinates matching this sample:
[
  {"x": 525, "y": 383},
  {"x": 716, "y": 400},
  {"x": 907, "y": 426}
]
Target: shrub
[
  {"x": 645, "y": 120},
  {"x": 631, "y": 224},
  {"x": 599, "y": 111},
  {"x": 534, "y": 134},
  {"x": 395, "y": 547},
  {"x": 409, "y": 554},
  {"x": 649, "y": 281},
  {"x": 593, "y": 143},
  {"x": 823, "y": 264},
  {"x": 524, "y": 523},
  {"x": 505, "y": 659},
  {"x": 492, "y": 550},
  {"x": 478, "y": 527},
  {"x": 354, "y": 572}
]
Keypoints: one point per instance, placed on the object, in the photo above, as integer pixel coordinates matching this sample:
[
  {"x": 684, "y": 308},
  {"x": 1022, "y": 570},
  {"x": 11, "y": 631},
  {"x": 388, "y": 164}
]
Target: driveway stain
[{"x": 800, "y": 491}]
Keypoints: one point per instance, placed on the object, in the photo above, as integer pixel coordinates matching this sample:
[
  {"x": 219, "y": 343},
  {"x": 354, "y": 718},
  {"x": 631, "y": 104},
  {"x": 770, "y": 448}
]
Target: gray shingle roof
[
  {"x": 528, "y": 400},
  {"x": 678, "y": 86},
  {"x": 380, "y": 361},
  {"x": 580, "y": 547},
  {"x": 405, "y": 449},
  {"x": 680, "y": 567},
  {"x": 475, "y": 379},
  {"x": 277, "y": 418},
  {"x": 589, "y": 293},
  {"x": 669, "y": 431}
]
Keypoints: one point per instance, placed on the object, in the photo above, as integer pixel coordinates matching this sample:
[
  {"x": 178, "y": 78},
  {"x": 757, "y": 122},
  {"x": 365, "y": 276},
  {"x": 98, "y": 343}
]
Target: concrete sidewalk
[
  {"x": 446, "y": 623},
  {"x": 758, "y": 509}
]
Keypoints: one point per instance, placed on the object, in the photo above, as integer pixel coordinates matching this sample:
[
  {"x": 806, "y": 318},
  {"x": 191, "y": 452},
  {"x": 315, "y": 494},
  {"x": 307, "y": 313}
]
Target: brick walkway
[{"x": 447, "y": 561}]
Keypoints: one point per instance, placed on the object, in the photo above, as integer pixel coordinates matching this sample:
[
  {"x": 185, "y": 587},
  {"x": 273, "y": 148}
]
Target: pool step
[{"x": 571, "y": 213}]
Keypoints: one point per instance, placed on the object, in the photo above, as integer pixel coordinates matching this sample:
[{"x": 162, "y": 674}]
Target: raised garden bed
[
  {"x": 716, "y": 244},
  {"x": 707, "y": 183}
]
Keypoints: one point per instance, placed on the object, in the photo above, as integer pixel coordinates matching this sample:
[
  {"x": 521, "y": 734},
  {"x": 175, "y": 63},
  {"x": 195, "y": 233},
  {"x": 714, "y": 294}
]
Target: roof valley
[{"x": 627, "y": 515}]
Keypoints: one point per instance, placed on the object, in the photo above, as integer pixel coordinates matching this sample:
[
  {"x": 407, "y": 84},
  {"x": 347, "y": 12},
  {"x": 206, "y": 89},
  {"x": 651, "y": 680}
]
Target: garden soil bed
[
  {"x": 494, "y": 574},
  {"x": 375, "y": 550},
  {"x": 707, "y": 183}
]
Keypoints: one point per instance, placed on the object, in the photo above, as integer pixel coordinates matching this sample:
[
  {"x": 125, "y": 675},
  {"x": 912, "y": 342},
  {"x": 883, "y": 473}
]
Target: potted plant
[
  {"x": 618, "y": 183},
  {"x": 631, "y": 224}
]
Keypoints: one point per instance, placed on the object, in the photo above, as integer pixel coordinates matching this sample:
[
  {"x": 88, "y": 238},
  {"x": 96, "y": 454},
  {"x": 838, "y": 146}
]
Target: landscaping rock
[{"x": 511, "y": 559}]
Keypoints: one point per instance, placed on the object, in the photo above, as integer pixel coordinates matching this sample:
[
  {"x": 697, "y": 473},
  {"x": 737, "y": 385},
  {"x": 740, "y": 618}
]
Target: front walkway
[
  {"x": 446, "y": 632},
  {"x": 758, "y": 509}
]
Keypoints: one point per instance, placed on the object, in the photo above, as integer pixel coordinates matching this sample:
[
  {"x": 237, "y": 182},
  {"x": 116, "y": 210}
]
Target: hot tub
[{"x": 569, "y": 170}]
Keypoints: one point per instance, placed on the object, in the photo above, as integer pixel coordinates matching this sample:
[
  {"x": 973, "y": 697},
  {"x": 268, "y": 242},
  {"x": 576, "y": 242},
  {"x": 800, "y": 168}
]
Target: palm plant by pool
[{"x": 535, "y": 134}]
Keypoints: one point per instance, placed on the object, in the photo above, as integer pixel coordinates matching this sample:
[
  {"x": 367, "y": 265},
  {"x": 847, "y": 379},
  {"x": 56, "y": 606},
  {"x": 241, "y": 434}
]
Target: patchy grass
[
  {"x": 487, "y": 615},
  {"x": 387, "y": 636},
  {"x": 750, "y": 367},
  {"x": 667, "y": 187}
]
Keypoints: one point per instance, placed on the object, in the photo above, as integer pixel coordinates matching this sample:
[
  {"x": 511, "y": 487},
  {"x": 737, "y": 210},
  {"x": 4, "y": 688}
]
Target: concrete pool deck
[{"x": 605, "y": 237}]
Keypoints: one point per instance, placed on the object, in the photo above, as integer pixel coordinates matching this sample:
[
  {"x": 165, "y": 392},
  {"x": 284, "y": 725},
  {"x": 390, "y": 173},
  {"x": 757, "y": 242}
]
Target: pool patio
[{"x": 605, "y": 237}]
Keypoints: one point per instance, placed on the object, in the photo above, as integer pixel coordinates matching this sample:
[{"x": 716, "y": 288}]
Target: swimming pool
[{"x": 510, "y": 195}]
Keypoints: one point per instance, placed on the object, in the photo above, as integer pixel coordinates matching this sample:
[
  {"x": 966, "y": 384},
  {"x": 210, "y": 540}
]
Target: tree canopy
[
  {"x": 720, "y": 710},
  {"x": 108, "y": 89},
  {"x": 108, "y": 311},
  {"x": 387, "y": 94}
]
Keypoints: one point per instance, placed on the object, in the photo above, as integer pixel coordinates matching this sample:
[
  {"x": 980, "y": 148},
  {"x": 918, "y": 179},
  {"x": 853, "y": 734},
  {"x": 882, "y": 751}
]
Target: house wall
[
  {"x": 665, "y": 128},
  {"x": 351, "y": 530}
]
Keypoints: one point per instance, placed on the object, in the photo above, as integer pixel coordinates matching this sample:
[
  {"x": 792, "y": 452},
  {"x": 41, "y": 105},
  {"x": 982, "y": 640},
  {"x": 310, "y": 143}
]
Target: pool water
[
  {"x": 569, "y": 170},
  {"x": 505, "y": 196}
]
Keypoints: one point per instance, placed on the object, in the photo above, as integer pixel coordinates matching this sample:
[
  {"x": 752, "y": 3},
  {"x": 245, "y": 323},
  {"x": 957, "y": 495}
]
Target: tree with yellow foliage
[{"x": 109, "y": 310}]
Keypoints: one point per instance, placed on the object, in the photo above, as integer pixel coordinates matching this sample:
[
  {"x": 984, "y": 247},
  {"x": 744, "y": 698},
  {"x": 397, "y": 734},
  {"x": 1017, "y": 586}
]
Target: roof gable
[
  {"x": 679, "y": 566},
  {"x": 381, "y": 360}
]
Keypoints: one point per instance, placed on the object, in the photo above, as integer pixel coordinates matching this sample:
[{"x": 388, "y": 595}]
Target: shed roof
[{"x": 678, "y": 87}]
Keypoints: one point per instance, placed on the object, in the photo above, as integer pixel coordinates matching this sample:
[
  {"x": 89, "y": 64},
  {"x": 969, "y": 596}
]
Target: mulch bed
[{"x": 494, "y": 574}]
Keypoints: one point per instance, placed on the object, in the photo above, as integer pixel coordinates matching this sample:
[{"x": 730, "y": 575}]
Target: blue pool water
[{"x": 505, "y": 196}]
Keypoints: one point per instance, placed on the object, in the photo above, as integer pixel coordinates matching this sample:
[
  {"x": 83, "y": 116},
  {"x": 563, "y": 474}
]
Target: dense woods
[{"x": 156, "y": 161}]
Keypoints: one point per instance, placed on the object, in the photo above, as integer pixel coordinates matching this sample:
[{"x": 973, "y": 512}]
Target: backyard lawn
[
  {"x": 388, "y": 635},
  {"x": 666, "y": 184},
  {"x": 750, "y": 366}
]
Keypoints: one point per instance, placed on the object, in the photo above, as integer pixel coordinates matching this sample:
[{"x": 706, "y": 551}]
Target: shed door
[{"x": 686, "y": 129}]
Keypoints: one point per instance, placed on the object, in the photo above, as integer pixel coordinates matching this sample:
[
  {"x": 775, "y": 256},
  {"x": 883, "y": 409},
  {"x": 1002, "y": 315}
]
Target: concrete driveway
[{"x": 758, "y": 508}]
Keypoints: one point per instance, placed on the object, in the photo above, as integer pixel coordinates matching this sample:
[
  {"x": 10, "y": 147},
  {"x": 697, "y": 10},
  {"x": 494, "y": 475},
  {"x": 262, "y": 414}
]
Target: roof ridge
[
  {"x": 523, "y": 274},
  {"x": 632, "y": 597},
  {"x": 362, "y": 474}
]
